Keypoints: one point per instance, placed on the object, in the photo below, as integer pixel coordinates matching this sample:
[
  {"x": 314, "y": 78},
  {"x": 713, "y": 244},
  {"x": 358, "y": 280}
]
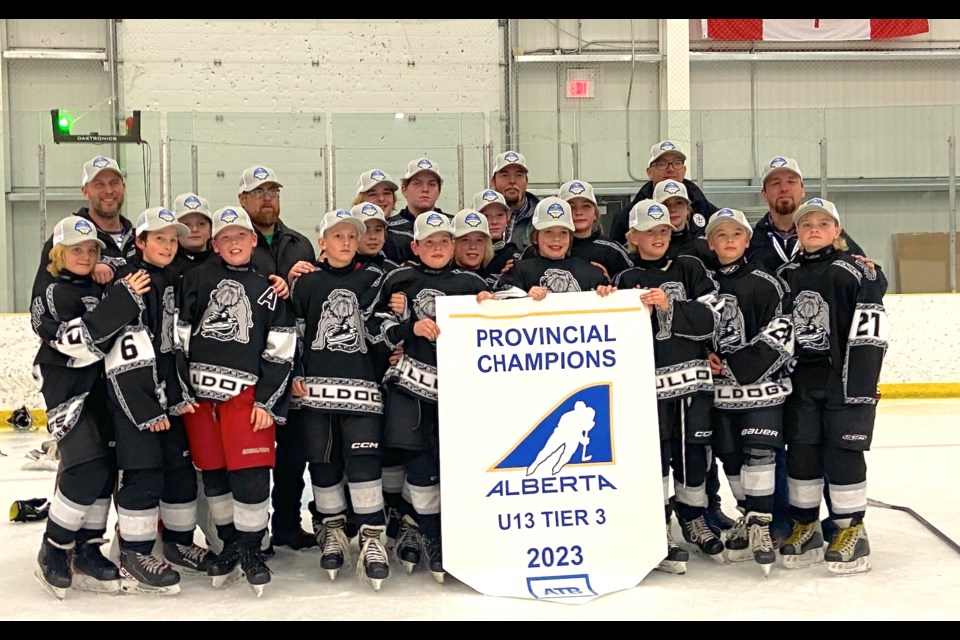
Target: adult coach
[
  {"x": 667, "y": 162},
  {"x": 509, "y": 177}
]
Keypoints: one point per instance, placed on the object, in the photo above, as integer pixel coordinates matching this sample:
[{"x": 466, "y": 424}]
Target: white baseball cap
[
  {"x": 156, "y": 218},
  {"x": 422, "y": 164},
  {"x": 191, "y": 203},
  {"x": 470, "y": 220},
  {"x": 816, "y": 204},
  {"x": 74, "y": 230},
  {"x": 429, "y": 223},
  {"x": 508, "y": 158},
  {"x": 663, "y": 147},
  {"x": 552, "y": 212},
  {"x": 333, "y": 218},
  {"x": 483, "y": 199},
  {"x": 256, "y": 176},
  {"x": 577, "y": 189},
  {"x": 667, "y": 189},
  {"x": 781, "y": 163},
  {"x": 648, "y": 214},
  {"x": 95, "y": 165},
  {"x": 229, "y": 217},
  {"x": 728, "y": 215},
  {"x": 367, "y": 211},
  {"x": 371, "y": 178}
]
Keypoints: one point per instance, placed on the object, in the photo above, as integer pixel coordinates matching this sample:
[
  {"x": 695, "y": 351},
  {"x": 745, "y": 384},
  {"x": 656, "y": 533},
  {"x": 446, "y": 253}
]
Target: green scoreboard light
[{"x": 63, "y": 123}]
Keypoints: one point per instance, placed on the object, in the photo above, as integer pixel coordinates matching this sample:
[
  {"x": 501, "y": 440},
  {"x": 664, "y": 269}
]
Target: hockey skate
[
  {"x": 333, "y": 544},
  {"x": 849, "y": 553},
  {"x": 433, "y": 554},
  {"x": 393, "y": 527},
  {"x": 53, "y": 568},
  {"x": 758, "y": 525},
  {"x": 147, "y": 574},
  {"x": 676, "y": 560},
  {"x": 92, "y": 571},
  {"x": 224, "y": 568},
  {"x": 407, "y": 549},
  {"x": 716, "y": 519},
  {"x": 253, "y": 564},
  {"x": 804, "y": 547},
  {"x": 737, "y": 543},
  {"x": 189, "y": 560},
  {"x": 701, "y": 538},
  {"x": 373, "y": 565}
]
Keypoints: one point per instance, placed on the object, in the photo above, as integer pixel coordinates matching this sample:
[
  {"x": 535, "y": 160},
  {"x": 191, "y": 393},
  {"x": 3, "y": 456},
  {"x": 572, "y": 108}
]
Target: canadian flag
[{"x": 812, "y": 29}]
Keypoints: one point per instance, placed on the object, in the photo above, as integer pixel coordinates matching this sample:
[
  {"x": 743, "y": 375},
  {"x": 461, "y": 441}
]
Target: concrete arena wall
[{"x": 922, "y": 360}]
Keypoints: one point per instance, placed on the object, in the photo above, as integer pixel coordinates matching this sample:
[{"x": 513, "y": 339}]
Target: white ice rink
[{"x": 915, "y": 575}]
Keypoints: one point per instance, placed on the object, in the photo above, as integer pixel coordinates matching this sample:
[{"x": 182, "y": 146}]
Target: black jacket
[
  {"x": 770, "y": 250},
  {"x": 702, "y": 210},
  {"x": 278, "y": 257}
]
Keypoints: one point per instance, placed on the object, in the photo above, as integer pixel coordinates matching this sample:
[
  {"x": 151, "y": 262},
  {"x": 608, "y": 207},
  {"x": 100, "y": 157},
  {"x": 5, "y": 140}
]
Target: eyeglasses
[
  {"x": 260, "y": 194},
  {"x": 663, "y": 164}
]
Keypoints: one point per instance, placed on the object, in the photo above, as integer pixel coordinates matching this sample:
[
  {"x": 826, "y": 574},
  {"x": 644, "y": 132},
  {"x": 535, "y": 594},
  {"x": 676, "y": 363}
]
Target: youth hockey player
[
  {"x": 376, "y": 187},
  {"x": 193, "y": 211},
  {"x": 76, "y": 328},
  {"x": 493, "y": 206},
  {"x": 841, "y": 338},
  {"x": 420, "y": 186},
  {"x": 411, "y": 410},
  {"x": 237, "y": 343},
  {"x": 752, "y": 351},
  {"x": 341, "y": 408},
  {"x": 473, "y": 248},
  {"x": 683, "y": 299},
  {"x": 587, "y": 241},
  {"x": 551, "y": 268}
]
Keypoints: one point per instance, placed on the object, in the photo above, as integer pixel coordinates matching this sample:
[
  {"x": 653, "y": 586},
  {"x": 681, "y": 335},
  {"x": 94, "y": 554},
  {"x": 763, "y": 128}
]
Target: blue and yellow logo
[
  {"x": 192, "y": 202},
  {"x": 376, "y": 175},
  {"x": 472, "y": 220},
  {"x": 656, "y": 212},
  {"x": 83, "y": 227},
  {"x": 260, "y": 173},
  {"x": 166, "y": 215},
  {"x": 229, "y": 216}
]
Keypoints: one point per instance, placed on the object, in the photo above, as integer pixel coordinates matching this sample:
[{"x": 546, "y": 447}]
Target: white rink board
[{"x": 547, "y": 462}]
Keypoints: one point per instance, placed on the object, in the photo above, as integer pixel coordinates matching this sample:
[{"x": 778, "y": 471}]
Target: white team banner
[{"x": 549, "y": 445}]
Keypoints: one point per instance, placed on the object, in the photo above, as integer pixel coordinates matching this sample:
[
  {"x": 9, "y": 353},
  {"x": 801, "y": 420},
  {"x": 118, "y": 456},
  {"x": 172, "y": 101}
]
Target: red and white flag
[{"x": 812, "y": 29}]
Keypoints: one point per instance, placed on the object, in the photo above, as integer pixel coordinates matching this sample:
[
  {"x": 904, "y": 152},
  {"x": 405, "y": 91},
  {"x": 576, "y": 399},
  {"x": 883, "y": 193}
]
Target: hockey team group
[{"x": 197, "y": 364}]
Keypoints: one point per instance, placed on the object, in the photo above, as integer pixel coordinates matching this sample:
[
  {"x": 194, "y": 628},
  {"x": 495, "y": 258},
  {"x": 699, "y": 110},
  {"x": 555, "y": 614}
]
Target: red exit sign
[{"x": 580, "y": 88}]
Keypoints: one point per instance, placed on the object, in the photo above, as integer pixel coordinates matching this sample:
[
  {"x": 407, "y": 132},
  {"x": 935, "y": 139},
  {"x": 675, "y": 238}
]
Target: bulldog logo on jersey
[
  {"x": 575, "y": 431},
  {"x": 192, "y": 203},
  {"x": 260, "y": 173},
  {"x": 340, "y": 327},
  {"x": 167, "y": 323},
  {"x": 559, "y": 281},
  {"x": 671, "y": 188},
  {"x": 811, "y": 319},
  {"x": 576, "y": 188},
  {"x": 228, "y": 316},
  {"x": 656, "y": 212},
  {"x": 674, "y": 291},
  {"x": 424, "y": 304},
  {"x": 730, "y": 332}
]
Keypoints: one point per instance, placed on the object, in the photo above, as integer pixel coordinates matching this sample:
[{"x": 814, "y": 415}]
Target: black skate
[
  {"x": 407, "y": 549},
  {"x": 147, "y": 574},
  {"x": 393, "y": 527},
  {"x": 677, "y": 557},
  {"x": 716, "y": 519},
  {"x": 333, "y": 544},
  {"x": 737, "y": 543},
  {"x": 433, "y": 554},
  {"x": 701, "y": 538},
  {"x": 849, "y": 553},
  {"x": 189, "y": 560},
  {"x": 804, "y": 547},
  {"x": 758, "y": 525},
  {"x": 224, "y": 568},
  {"x": 92, "y": 571},
  {"x": 254, "y": 567},
  {"x": 53, "y": 568},
  {"x": 373, "y": 565}
]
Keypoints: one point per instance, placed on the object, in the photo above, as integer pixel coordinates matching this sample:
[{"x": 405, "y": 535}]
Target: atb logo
[{"x": 556, "y": 587}]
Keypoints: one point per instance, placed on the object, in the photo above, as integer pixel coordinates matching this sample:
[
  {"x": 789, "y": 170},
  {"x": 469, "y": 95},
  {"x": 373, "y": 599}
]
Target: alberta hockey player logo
[
  {"x": 559, "y": 281},
  {"x": 730, "y": 329},
  {"x": 811, "y": 317},
  {"x": 229, "y": 316},
  {"x": 674, "y": 291},
  {"x": 340, "y": 327},
  {"x": 576, "y": 431}
]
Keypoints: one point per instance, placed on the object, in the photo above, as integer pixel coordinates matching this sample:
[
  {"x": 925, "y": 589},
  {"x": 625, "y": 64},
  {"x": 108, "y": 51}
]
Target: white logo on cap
[
  {"x": 511, "y": 156},
  {"x": 555, "y": 211},
  {"x": 343, "y": 213},
  {"x": 816, "y": 201},
  {"x": 778, "y": 162},
  {"x": 229, "y": 216},
  {"x": 425, "y": 164},
  {"x": 472, "y": 220},
  {"x": 576, "y": 188},
  {"x": 667, "y": 145},
  {"x": 166, "y": 215},
  {"x": 655, "y": 212},
  {"x": 725, "y": 212},
  {"x": 671, "y": 188},
  {"x": 193, "y": 202},
  {"x": 260, "y": 173},
  {"x": 368, "y": 210},
  {"x": 377, "y": 175},
  {"x": 83, "y": 227},
  {"x": 434, "y": 220},
  {"x": 489, "y": 196},
  {"x": 100, "y": 162}
]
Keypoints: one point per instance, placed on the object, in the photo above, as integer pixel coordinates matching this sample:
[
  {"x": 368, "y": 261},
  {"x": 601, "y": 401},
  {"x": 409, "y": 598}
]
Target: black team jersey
[
  {"x": 416, "y": 372},
  {"x": 839, "y": 318},
  {"x": 595, "y": 248},
  {"x": 400, "y": 235},
  {"x": 334, "y": 357},
  {"x": 503, "y": 252},
  {"x": 234, "y": 332},
  {"x": 682, "y": 335},
  {"x": 558, "y": 276},
  {"x": 754, "y": 339}
]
